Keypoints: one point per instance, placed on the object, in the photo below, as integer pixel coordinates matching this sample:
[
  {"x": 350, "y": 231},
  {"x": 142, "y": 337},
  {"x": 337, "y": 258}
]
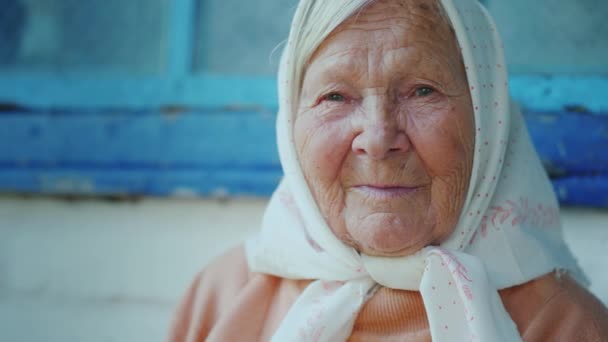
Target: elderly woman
[{"x": 413, "y": 206}]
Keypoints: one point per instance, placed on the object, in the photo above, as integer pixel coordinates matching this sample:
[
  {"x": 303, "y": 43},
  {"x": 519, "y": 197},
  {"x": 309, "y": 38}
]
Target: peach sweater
[{"x": 227, "y": 302}]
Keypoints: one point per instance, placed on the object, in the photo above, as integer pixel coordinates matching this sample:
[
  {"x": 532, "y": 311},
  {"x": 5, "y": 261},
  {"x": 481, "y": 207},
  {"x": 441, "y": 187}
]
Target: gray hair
[{"x": 313, "y": 21}]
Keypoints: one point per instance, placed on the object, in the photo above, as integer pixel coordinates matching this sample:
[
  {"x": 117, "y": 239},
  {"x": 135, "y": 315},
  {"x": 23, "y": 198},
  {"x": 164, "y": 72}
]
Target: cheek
[
  {"x": 445, "y": 140},
  {"x": 322, "y": 147},
  {"x": 445, "y": 145}
]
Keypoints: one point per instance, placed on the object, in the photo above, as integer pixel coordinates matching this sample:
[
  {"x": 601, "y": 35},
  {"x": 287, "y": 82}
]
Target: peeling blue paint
[
  {"x": 559, "y": 93},
  {"x": 173, "y": 138},
  {"x": 570, "y": 142},
  {"x": 587, "y": 191},
  {"x": 228, "y": 153}
]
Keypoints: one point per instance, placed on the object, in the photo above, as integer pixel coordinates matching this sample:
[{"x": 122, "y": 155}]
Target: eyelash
[
  {"x": 432, "y": 91},
  {"x": 331, "y": 97}
]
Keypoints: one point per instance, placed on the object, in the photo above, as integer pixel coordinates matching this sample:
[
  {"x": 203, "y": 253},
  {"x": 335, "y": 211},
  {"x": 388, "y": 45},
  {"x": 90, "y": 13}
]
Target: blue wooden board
[
  {"x": 139, "y": 138},
  {"x": 176, "y": 181},
  {"x": 61, "y": 143},
  {"x": 556, "y": 93},
  {"x": 207, "y": 152},
  {"x": 586, "y": 191},
  {"x": 202, "y": 152},
  {"x": 570, "y": 142}
]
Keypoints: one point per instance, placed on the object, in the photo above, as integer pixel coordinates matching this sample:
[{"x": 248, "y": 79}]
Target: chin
[{"x": 386, "y": 234}]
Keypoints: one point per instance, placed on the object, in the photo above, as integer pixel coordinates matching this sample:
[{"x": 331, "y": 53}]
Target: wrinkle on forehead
[
  {"x": 405, "y": 19},
  {"x": 418, "y": 35},
  {"x": 427, "y": 14}
]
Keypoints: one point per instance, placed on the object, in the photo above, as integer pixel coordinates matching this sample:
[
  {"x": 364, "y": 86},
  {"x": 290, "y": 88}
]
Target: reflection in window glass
[
  {"x": 84, "y": 35},
  {"x": 238, "y": 37}
]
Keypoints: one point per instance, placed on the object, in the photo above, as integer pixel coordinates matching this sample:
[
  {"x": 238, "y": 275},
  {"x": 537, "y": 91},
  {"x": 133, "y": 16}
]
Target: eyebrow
[{"x": 336, "y": 67}]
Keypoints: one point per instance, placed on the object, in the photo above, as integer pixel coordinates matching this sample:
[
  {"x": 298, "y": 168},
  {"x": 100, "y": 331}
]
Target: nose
[{"x": 380, "y": 134}]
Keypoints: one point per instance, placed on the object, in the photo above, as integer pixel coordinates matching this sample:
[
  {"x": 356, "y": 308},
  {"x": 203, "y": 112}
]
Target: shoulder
[
  {"x": 212, "y": 293},
  {"x": 556, "y": 308},
  {"x": 227, "y": 273}
]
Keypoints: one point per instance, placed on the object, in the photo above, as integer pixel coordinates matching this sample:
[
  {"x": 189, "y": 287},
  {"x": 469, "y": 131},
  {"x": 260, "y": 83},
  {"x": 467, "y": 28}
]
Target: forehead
[
  {"x": 426, "y": 13},
  {"x": 391, "y": 24}
]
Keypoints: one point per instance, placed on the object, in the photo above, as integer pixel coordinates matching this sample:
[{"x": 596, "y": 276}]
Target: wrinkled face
[{"x": 385, "y": 128}]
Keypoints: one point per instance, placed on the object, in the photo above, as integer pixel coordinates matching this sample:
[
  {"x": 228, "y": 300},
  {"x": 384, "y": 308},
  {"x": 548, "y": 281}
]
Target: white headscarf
[{"x": 508, "y": 233}]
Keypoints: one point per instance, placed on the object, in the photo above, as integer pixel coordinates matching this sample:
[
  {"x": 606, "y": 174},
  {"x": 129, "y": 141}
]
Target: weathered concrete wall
[
  {"x": 99, "y": 271},
  {"x": 96, "y": 271}
]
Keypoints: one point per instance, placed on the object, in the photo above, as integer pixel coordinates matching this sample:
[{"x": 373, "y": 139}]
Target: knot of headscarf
[{"x": 461, "y": 304}]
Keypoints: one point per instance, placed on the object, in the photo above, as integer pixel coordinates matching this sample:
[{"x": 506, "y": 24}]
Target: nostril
[{"x": 380, "y": 141}]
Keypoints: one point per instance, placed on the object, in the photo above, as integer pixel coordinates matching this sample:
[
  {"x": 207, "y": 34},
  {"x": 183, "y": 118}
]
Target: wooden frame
[{"x": 213, "y": 135}]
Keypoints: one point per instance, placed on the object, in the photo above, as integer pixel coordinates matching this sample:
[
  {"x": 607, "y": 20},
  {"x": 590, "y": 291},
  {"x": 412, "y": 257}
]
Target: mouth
[{"x": 386, "y": 191}]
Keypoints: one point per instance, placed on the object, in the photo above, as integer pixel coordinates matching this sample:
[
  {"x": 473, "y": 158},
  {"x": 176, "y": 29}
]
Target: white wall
[{"x": 113, "y": 271}]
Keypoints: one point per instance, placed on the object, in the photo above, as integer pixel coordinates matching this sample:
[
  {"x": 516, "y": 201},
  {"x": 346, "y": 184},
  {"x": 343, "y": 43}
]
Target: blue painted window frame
[
  {"x": 179, "y": 87},
  {"x": 213, "y": 135},
  {"x": 61, "y": 130}
]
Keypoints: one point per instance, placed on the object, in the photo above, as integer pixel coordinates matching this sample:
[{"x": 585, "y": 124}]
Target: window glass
[
  {"x": 84, "y": 35},
  {"x": 238, "y": 37},
  {"x": 558, "y": 36}
]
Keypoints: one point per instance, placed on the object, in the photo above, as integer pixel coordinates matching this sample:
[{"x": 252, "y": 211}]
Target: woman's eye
[
  {"x": 424, "y": 91},
  {"x": 335, "y": 97}
]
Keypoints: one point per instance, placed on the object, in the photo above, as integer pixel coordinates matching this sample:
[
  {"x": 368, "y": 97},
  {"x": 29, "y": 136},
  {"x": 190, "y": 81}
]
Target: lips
[{"x": 386, "y": 191}]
